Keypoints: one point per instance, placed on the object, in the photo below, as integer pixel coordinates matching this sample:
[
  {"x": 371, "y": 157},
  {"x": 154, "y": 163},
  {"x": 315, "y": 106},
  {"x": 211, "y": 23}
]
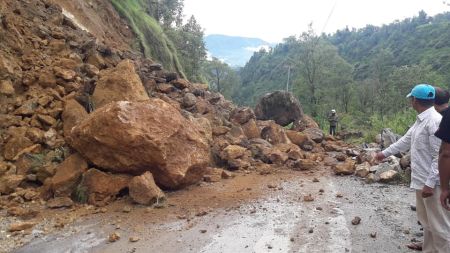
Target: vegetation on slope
[{"x": 152, "y": 38}]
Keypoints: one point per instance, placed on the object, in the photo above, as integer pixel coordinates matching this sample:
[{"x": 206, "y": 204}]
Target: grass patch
[{"x": 154, "y": 42}]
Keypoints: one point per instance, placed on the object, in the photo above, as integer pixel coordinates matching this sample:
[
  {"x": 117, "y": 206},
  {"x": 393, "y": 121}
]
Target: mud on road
[{"x": 252, "y": 213}]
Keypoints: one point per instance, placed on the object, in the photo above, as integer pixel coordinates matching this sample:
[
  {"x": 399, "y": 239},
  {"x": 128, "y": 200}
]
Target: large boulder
[
  {"x": 134, "y": 137},
  {"x": 300, "y": 139},
  {"x": 273, "y": 133},
  {"x": 280, "y": 106},
  {"x": 117, "y": 84}
]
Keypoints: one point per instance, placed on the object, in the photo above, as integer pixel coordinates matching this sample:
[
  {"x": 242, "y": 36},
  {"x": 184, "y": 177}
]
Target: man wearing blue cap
[{"x": 424, "y": 146}]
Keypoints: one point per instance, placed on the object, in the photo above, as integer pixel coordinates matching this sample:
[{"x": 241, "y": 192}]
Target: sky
[{"x": 273, "y": 20}]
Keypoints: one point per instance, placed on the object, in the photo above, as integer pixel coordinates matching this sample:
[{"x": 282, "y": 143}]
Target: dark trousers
[{"x": 332, "y": 130}]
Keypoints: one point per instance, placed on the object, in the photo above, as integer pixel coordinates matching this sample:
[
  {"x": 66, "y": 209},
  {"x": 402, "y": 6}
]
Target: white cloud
[
  {"x": 256, "y": 49},
  {"x": 274, "y": 20}
]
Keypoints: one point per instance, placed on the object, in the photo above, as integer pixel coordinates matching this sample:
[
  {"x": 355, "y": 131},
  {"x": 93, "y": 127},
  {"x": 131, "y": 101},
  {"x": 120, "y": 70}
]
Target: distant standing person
[
  {"x": 441, "y": 100},
  {"x": 424, "y": 148},
  {"x": 333, "y": 119}
]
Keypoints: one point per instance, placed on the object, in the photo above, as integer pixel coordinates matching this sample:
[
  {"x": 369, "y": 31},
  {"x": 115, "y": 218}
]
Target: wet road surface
[{"x": 279, "y": 220}]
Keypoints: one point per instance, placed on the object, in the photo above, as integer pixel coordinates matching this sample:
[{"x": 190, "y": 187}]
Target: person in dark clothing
[
  {"x": 441, "y": 100},
  {"x": 443, "y": 133},
  {"x": 333, "y": 119}
]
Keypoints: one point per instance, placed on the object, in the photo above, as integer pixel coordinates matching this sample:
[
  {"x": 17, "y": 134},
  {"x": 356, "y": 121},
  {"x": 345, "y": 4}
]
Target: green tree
[{"x": 221, "y": 77}]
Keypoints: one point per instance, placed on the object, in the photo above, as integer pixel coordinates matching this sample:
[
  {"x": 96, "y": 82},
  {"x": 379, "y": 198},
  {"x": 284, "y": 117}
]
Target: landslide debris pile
[{"x": 82, "y": 121}]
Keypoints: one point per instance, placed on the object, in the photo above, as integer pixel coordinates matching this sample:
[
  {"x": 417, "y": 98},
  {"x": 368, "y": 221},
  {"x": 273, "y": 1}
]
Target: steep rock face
[
  {"x": 119, "y": 84},
  {"x": 134, "y": 137},
  {"x": 280, "y": 106}
]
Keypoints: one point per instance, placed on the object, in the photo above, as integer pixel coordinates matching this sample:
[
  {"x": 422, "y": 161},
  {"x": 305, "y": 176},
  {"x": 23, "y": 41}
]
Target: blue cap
[{"x": 422, "y": 91}]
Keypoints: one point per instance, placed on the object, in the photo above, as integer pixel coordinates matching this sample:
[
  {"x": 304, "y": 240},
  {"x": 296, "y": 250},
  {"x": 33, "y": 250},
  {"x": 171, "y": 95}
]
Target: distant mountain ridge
[{"x": 233, "y": 50}]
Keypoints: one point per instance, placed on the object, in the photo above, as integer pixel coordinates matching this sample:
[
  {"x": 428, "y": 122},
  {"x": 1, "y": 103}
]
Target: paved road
[{"x": 277, "y": 221}]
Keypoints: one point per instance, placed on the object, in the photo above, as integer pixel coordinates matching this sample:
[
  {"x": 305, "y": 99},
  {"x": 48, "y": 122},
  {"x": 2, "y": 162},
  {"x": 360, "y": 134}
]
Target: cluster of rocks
[
  {"x": 80, "y": 120},
  {"x": 392, "y": 170}
]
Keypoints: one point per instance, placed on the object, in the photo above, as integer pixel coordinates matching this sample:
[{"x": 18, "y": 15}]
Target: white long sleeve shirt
[{"x": 424, "y": 148}]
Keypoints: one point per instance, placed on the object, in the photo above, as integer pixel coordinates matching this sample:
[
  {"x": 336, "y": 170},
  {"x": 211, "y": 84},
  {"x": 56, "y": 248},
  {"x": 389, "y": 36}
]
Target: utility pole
[{"x": 289, "y": 75}]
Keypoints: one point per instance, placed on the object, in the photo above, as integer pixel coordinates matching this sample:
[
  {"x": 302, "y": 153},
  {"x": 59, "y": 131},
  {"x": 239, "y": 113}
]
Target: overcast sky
[{"x": 273, "y": 20}]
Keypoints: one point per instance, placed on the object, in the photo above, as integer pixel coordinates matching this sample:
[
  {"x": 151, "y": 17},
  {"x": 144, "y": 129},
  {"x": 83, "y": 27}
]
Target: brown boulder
[
  {"x": 316, "y": 134},
  {"x": 180, "y": 83},
  {"x": 143, "y": 189},
  {"x": 99, "y": 188},
  {"x": 304, "y": 164},
  {"x": 233, "y": 152},
  {"x": 273, "y": 133},
  {"x": 9, "y": 183},
  {"x": 6, "y": 87},
  {"x": 134, "y": 137},
  {"x": 241, "y": 115},
  {"x": 119, "y": 84},
  {"x": 73, "y": 114},
  {"x": 66, "y": 74},
  {"x": 251, "y": 130},
  {"x": 27, "y": 108},
  {"x": 362, "y": 170},
  {"x": 300, "y": 139},
  {"x": 36, "y": 135},
  {"x": 14, "y": 145},
  {"x": 220, "y": 130},
  {"x": 278, "y": 157},
  {"x": 68, "y": 175},
  {"x": 47, "y": 79},
  {"x": 21, "y": 226},
  {"x": 165, "y": 88},
  {"x": 59, "y": 202},
  {"x": 304, "y": 123},
  {"x": 346, "y": 168}
]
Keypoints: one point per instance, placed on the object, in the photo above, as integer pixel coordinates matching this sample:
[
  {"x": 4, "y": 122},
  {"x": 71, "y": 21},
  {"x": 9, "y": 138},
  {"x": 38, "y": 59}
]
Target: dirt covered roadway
[{"x": 286, "y": 211}]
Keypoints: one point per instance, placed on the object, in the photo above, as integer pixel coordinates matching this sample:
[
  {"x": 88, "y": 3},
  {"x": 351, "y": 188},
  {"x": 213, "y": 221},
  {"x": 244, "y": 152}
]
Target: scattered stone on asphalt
[
  {"x": 356, "y": 220},
  {"x": 339, "y": 195},
  {"x": 373, "y": 235},
  {"x": 316, "y": 180},
  {"x": 126, "y": 209},
  {"x": 311, "y": 230},
  {"x": 319, "y": 208},
  {"x": 21, "y": 226},
  {"x": 59, "y": 202},
  {"x": 413, "y": 207},
  {"x": 308, "y": 198},
  {"x": 203, "y": 231},
  {"x": 134, "y": 239},
  {"x": 201, "y": 213},
  {"x": 321, "y": 190},
  {"x": 114, "y": 237}
]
